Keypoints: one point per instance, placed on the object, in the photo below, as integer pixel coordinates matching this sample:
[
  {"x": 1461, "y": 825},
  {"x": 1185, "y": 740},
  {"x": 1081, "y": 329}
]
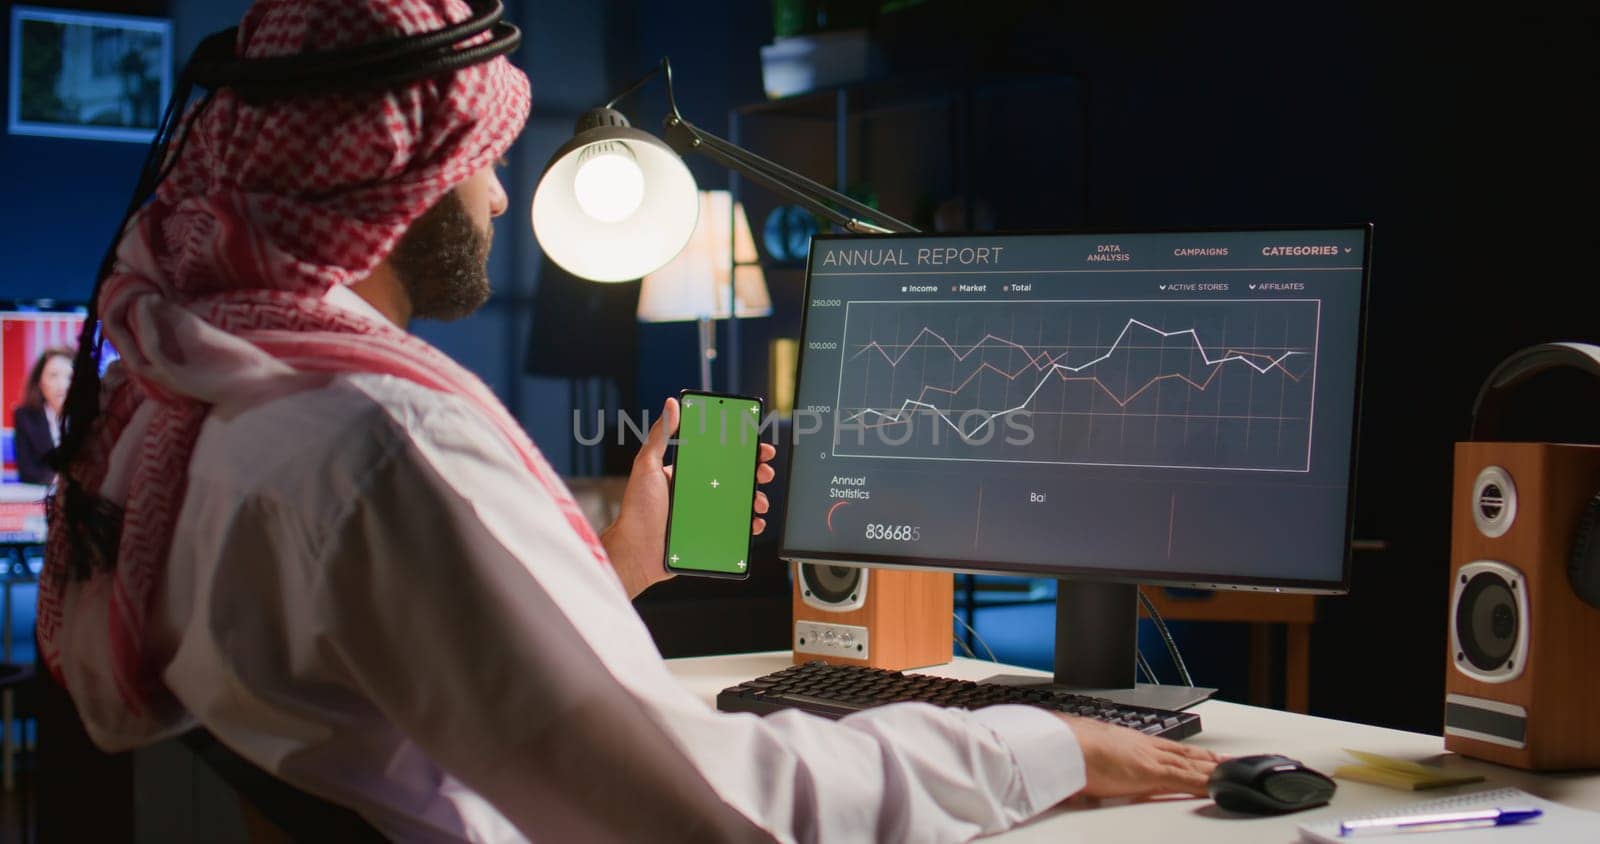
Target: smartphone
[{"x": 713, "y": 484}]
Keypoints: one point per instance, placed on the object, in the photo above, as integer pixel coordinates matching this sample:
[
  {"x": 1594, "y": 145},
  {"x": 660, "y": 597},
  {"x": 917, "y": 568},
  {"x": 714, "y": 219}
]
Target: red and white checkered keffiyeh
[{"x": 217, "y": 299}]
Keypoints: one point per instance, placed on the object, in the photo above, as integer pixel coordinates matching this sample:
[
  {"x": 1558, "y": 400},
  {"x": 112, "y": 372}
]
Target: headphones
[{"x": 1488, "y": 414}]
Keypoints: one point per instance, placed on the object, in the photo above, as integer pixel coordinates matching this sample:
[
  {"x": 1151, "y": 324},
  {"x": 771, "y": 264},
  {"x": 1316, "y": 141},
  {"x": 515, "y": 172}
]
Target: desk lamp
[{"x": 616, "y": 203}]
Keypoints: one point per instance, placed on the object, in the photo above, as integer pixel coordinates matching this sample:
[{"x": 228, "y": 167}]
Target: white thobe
[{"x": 369, "y": 596}]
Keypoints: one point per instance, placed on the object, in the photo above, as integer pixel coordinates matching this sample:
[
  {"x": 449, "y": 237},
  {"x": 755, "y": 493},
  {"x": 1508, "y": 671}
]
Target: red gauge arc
[{"x": 836, "y": 506}]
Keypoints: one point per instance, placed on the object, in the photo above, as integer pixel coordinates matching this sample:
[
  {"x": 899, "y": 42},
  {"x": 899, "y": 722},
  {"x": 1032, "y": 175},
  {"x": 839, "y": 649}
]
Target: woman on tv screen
[{"x": 37, "y": 421}]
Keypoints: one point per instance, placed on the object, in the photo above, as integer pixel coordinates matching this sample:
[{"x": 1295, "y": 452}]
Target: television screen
[{"x": 27, "y": 331}]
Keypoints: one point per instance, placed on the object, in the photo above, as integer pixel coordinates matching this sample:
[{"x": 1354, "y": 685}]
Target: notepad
[
  {"x": 1558, "y": 825},
  {"x": 1383, "y": 770}
]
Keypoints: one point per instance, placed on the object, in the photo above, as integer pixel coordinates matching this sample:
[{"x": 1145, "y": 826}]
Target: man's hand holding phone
[{"x": 636, "y": 541}]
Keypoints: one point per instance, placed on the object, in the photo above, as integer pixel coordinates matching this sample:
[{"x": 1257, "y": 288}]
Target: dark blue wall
[{"x": 63, "y": 196}]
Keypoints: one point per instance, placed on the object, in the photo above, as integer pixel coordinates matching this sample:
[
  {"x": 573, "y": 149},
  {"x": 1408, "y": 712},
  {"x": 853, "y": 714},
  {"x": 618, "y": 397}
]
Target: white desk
[{"x": 1230, "y": 729}]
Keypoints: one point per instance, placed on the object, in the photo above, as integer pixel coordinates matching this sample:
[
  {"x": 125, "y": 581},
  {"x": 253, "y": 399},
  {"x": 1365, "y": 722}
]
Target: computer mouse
[{"x": 1268, "y": 785}]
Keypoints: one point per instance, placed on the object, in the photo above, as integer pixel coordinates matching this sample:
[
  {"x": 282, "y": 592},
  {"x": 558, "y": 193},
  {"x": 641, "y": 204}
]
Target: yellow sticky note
[{"x": 1399, "y": 773}]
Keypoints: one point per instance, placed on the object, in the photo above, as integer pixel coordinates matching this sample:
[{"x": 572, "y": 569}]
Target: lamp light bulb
[{"x": 609, "y": 185}]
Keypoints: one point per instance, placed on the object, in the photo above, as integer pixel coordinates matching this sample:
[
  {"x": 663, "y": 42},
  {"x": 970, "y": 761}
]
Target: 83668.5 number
[{"x": 894, "y": 533}]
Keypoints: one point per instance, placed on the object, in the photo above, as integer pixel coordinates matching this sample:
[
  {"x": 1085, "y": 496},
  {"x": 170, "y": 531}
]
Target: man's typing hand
[{"x": 637, "y": 541}]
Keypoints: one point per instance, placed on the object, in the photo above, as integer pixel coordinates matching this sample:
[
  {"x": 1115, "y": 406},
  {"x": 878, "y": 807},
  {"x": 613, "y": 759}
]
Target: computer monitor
[{"x": 1109, "y": 408}]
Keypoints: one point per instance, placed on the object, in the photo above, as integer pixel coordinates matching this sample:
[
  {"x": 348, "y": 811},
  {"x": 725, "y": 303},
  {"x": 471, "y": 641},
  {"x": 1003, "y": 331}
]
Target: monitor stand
[{"x": 1097, "y": 636}]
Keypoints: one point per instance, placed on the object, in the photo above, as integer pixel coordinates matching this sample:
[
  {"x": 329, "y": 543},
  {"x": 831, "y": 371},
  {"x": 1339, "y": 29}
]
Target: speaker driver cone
[
  {"x": 831, "y": 584},
  {"x": 1486, "y": 622},
  {"x": 1489, "y": 621}
]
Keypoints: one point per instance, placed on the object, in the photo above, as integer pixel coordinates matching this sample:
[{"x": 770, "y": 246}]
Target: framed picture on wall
[{"x": 88, "y": 74}]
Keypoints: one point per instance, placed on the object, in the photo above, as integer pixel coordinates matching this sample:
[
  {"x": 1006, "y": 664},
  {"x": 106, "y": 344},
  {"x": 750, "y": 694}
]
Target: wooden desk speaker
[
  {"x": 882, "y": 618},
  {"x": 1522, "y": 683}
]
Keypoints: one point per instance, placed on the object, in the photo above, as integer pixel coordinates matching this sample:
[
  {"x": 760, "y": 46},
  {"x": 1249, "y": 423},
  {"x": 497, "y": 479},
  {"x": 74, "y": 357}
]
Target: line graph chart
[{"x": 1201, "y": 383}]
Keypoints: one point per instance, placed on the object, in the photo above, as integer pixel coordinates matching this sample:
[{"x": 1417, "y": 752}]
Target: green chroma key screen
[{"x": 713, "y": 484}]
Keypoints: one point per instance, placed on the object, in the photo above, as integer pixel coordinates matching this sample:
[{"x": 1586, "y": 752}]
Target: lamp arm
[{"x": 685, "y": 137}]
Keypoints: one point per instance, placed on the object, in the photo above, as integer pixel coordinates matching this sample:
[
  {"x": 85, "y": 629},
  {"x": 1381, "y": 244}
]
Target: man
[{"x": 341, "y": 556}]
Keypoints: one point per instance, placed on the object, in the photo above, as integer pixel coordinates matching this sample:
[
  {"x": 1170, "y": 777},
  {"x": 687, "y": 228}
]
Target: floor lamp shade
[{"x": 695, "y": 285}]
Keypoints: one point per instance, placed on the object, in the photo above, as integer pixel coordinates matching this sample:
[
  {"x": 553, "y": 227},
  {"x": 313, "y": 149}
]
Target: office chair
[{"x": 300, "y": 816}]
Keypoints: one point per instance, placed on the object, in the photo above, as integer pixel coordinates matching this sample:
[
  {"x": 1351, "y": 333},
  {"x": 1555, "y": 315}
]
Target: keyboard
[{"x": 834, "y": 691}]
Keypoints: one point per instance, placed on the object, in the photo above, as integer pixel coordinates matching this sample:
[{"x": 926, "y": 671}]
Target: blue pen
[{"x": 1437, "y": 821}]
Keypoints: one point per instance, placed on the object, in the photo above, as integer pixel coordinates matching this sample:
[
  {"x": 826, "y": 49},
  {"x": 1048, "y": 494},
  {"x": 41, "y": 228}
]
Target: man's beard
[{"x": 442, "y": 261}]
